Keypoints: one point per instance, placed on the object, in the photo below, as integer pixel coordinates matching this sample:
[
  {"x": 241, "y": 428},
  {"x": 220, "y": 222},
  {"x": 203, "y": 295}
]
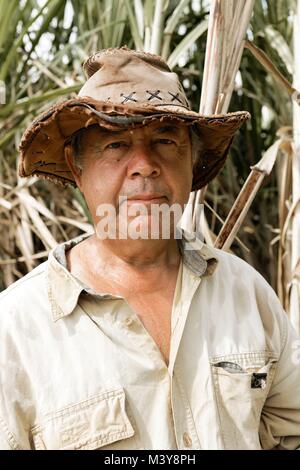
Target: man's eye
[
  {"x": 115, "y": 145},
  {"x": 165, "y": 141}
]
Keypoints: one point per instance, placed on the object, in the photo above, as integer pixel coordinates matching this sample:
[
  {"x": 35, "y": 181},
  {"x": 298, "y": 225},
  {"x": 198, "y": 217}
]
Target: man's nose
[{"x": 142, "y": 163}]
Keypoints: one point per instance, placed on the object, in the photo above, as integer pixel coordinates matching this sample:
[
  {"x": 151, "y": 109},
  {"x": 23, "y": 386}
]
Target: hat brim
[{"x": 42, "y": 145}]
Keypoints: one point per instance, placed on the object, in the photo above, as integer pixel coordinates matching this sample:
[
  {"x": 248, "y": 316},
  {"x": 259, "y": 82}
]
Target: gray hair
[{"x": 76, "y": 142}]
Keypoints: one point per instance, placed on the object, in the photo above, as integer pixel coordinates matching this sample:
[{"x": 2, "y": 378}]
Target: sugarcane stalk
[
  {"x": 239, "y": 210},
  {"x": 157, "y": 27},
  {"x": 244, "y": 200},
  {"x": 139, "y": 14},
  {"x": 294, "y": 310},
  {"x": 284, "y": 175},
  {"x": 228, "y": 23},
  {"x": 213, "y": 59}
]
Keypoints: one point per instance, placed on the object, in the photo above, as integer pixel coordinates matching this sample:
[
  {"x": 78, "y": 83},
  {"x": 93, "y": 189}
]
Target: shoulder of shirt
[
  {"x": 249, "y": 279},
  {"x": 229, "y": 264},
  {"x": 232, "y": 262},
  {"x": 22, "y": 291},
  {"x": 239, "y": 280}
]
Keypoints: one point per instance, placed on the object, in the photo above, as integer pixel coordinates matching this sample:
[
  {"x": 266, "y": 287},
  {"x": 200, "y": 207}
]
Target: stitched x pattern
[
  {"x": 43, "y": 163},
  {"x": 175, "y": 97},
  {"x": 128, "y": 98},
  {"x": 154, "y": 94}
]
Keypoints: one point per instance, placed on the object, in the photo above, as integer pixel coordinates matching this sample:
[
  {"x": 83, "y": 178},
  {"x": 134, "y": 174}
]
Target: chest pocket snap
[
  {"x": 241, "y": 385},
  {"x": 90, "y": 424}
]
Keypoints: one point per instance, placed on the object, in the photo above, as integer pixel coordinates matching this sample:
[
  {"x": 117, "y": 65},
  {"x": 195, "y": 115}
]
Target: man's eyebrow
[
  {"x": 108, "y": 133},
  {"x": 168, "y": 128}
]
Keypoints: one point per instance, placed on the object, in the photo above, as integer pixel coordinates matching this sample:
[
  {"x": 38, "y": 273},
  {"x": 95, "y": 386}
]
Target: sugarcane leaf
[{"x": 186, "y": 43}]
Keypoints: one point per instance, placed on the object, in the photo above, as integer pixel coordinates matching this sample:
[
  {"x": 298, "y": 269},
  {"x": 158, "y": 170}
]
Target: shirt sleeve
[
  {"x": 280, "y": 419},
  {"x": 14, "y": 390}
]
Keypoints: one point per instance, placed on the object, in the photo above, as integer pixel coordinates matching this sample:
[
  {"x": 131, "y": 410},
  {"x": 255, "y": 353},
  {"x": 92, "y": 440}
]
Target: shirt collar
[{"x": 64, "y": 289}]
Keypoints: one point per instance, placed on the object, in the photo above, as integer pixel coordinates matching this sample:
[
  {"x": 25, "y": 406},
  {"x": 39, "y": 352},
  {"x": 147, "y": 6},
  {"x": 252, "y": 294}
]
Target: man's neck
[
  {"x": 125, "y": 265},
  {"x": 136, "y": 255}
]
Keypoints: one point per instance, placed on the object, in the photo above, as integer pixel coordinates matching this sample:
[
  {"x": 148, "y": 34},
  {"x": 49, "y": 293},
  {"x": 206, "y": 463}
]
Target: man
[{"x": 121, "y": 341}]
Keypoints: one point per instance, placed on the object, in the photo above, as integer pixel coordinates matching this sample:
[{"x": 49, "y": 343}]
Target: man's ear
[{"x": 76, "y": 172}]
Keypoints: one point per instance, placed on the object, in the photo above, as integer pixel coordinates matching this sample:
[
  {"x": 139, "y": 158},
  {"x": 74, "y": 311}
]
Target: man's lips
[{"x": 146, "y": 198}]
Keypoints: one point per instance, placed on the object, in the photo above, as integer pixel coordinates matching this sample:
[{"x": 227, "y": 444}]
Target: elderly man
[{"x": 141, "y": 342}]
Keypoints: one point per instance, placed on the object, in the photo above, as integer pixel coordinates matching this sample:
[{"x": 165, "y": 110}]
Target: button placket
[{"x": 184, "y": 425}]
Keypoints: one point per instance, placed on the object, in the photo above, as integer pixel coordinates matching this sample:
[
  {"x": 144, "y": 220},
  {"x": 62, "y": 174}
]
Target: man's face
[{"x": 147, "y": 165}]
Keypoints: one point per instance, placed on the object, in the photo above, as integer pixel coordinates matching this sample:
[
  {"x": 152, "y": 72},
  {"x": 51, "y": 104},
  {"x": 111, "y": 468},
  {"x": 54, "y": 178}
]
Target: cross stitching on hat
[
  {"x": 43, "y": 163},
  {"x": 175, "y": 97},
  {"x": 154, "y": 94},
  {"x": 128, "y": 98}
]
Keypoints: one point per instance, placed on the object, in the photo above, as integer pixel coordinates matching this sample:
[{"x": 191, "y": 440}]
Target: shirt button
[
  {"x": 187, "y": 440},
  {"x": 128, "y": 321}
]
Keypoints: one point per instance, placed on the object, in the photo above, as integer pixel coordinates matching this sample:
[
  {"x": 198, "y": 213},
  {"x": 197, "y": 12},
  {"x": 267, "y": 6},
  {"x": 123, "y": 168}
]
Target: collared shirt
[{"x": 78, "y": 369}]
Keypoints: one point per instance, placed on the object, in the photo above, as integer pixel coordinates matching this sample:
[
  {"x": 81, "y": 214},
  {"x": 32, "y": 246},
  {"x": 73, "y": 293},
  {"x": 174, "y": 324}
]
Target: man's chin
[{"x": 145, "y": 227}]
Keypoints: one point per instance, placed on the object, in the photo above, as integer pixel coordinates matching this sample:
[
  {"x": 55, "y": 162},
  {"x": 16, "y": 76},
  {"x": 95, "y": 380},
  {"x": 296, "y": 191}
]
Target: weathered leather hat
[{"x": 125, "y": 88}]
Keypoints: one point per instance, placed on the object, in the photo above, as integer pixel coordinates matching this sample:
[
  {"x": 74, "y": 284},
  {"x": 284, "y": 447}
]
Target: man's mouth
[{"x": 146, "y": 198}]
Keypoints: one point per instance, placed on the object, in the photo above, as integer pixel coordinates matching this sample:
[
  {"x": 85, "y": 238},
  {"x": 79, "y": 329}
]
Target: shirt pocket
[
  {"x": 100, "y": 422},
  {"x": 241, "y": 385}
]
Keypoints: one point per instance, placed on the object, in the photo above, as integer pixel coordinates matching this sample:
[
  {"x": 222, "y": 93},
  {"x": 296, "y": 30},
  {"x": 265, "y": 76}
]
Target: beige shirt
[{"x": 78, "y": 370}]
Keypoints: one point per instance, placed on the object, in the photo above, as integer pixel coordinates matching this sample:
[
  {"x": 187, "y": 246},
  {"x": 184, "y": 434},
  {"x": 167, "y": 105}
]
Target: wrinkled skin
[{"x": 148, "y": 165}]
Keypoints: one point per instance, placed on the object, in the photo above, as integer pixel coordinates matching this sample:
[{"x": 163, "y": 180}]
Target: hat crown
[
  {"x": 95, "y": 61},
  {"x": 123, "y": 76}
]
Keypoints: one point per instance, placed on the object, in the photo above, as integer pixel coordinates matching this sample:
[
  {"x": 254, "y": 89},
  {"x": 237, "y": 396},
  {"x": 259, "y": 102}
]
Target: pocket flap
[{"x": 87, "y": 425}]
